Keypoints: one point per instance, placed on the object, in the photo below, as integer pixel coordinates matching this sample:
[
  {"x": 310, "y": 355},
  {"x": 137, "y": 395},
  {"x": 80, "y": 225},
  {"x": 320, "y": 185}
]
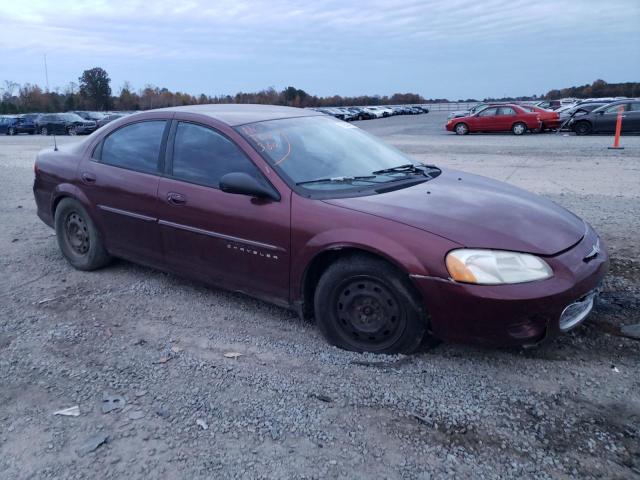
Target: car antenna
[{"x": 46, "y": 76}]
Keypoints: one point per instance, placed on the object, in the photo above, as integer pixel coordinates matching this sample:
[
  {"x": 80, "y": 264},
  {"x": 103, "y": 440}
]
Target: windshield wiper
[
  {"x": 408, "y": 167},
  {"x": 338, "y": 179}
]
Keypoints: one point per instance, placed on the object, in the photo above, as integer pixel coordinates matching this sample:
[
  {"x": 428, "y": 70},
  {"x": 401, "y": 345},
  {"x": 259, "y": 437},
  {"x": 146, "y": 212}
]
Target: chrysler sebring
[{"x": 314, "y": 214}]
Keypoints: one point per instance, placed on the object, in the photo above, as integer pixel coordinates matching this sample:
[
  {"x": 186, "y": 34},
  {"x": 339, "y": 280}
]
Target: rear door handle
[
  {"x": 176, "y": 198},
  {"x": 88, "y": 178}
]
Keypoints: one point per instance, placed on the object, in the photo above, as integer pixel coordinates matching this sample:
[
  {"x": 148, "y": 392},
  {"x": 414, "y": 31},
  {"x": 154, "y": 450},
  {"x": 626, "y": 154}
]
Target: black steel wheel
[
  {"x": 582, "y": 128},
  {"x": 77, "y": 236},
  {"x": 364, "y": 304},
  {"x": 369, "y": 314}
]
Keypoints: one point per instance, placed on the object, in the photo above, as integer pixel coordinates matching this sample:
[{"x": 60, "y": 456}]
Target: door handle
[
  {"x": 88, "y": 178},
  {"x": 176, "y": 198}
]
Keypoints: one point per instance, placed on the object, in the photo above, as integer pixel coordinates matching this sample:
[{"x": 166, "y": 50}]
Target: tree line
[{"x": 93, "y": 92}]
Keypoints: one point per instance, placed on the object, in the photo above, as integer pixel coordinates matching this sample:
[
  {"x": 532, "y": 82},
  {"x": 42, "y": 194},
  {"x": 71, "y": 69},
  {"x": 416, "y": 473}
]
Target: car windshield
[
  {"x": 329, "y": 154},
  {"x": 71, "y": 117}
]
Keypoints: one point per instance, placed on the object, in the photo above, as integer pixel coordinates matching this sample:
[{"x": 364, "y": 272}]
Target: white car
[{"x": 376, "y": 111}]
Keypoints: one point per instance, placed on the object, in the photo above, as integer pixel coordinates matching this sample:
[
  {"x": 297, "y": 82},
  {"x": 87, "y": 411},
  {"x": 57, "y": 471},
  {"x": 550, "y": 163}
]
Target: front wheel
[
  {"x": 364, "y": 304},
  {"x": 11, "y": 131},
  {"x": 519, "y": 128},
  {"x": 582, "y": 128},
  {"x": 44, "y": 131},
  {"x": 461, "y": 129},
  {"x": 72, "y": 131},
  {"x": 78, "y": 237}
]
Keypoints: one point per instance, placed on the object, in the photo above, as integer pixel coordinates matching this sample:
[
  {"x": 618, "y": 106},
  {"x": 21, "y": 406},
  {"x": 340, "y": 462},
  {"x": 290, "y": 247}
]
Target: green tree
[{"x": 94, "y": 86}]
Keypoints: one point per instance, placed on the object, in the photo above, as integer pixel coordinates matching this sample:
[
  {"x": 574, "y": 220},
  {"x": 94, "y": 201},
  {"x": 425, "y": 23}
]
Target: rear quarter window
[{"x": 134, "y": 147}]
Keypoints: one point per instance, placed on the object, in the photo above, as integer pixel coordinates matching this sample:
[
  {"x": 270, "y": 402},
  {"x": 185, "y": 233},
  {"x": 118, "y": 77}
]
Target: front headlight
[{"x": 495, "y": 267}]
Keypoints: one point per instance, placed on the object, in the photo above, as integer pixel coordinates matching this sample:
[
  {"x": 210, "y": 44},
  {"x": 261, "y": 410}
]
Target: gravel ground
[{"x": 142, "y": 353}]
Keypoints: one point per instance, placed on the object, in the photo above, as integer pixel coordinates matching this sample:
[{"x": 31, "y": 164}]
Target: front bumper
[{"x": 519, "y": 314}]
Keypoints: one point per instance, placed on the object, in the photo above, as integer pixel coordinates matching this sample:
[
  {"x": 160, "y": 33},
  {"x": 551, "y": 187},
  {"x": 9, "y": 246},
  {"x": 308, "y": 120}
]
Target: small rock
[
  {"x": 92, "y": 444},
  {"x": 136, "y": 415},
  {"x": 202, "y": 424}
]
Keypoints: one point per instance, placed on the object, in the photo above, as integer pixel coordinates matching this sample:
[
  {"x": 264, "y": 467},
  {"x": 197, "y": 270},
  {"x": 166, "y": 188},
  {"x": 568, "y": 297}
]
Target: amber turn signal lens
[{"x": 459, "y": 271}]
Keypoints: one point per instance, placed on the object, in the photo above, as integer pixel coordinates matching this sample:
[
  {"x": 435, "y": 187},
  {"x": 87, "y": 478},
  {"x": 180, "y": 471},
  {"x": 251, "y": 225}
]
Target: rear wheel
[
  {"x": 365, "y": 305},
  {"x": 582, "y": 128},
  {"x": 519, "y": 128},
  {"x": 461, "y": 129},
  {"x": 78, "y": 237}
]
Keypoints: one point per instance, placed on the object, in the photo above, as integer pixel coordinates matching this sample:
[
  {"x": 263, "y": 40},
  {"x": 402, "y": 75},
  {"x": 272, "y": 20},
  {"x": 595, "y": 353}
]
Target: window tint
[
  {"x": 506, "y": 111},
  {"x": 634, "y": 107},
  {"x": 203, "y": 156},
  {"x": 136, "y": 146},
  {"x": 488, "y": 112},
  {"x": 615, "y": 108}
]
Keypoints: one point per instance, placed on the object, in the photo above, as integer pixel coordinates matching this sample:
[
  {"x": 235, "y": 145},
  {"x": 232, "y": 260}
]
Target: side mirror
[{"x": 243, "y": 184}]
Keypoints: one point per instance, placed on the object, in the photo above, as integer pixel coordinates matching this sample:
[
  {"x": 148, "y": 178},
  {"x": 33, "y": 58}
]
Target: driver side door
[{"x": 235, "y": 241}]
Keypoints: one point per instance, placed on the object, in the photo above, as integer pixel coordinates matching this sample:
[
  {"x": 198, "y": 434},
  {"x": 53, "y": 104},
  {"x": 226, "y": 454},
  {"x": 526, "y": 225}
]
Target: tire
[
  {"x": 384, "y": 315},
  {"x": 519, "y": 128},
  {"x": 11, "y": 131},
  {"x": 78, "y": 238},
  {"x": 72, "y": 131},
  {"x": 461, "y": 128},
  {"x": 44, "y": 131},
  {"x": 582, "y": 128}
]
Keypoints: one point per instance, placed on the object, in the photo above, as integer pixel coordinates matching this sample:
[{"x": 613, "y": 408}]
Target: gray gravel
[{"x": 291, "y": 406}]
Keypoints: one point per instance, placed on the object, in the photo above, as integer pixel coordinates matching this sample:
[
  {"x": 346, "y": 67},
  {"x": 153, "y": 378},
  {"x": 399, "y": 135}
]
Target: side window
[
  {"x": 136, "y": 146},
  {"x": 634, "y": 107},
  {"x": 489, "y": 112},
  {"x": 615, "y": 108},
  {"x": 506, "y": 111},
  {"x": 203, "y": 156}
]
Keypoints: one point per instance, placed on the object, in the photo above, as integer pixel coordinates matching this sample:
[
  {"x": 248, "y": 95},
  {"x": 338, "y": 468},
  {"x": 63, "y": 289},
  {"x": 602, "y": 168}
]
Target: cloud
[{"x": 284, "y": 39}]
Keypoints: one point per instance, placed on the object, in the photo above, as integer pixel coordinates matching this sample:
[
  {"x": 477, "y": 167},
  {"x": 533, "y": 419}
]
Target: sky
[{"x": 454, "y": 49}]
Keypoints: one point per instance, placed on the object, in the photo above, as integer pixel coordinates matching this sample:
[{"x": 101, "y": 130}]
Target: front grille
[{"x": 576, "y": 312}]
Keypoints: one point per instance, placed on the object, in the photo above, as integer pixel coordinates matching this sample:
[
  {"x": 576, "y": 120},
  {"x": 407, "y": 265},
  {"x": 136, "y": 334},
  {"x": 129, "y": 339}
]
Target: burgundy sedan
[
  {"x": 314, "y": 214},
  {"x": 494, "y": 118}
]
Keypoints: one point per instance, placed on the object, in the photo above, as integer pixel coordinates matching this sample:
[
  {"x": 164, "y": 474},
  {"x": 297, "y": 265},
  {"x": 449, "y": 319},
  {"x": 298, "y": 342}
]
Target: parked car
[
  {"x": 579, "y": 109},
  {"x": 549, "y": 119},
  {"x": 465, "y": 113},
  {"x": 361, "y": 113},
  {"x": 290, "y": 206},
  {"x": 110, "y": 117},
  {"x": 502, "y": 118},
  {"x": 64, "y": 124},
  {"x": 603, "y": 119},
  {"x": 549, "y": 104},
  {"x": 377, "y": 112},
  {"x": 15, "y": 124}
]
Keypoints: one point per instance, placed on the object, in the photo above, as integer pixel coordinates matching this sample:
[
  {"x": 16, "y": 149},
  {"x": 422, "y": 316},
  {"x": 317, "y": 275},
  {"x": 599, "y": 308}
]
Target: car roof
[{"x": 240, "y": 114}]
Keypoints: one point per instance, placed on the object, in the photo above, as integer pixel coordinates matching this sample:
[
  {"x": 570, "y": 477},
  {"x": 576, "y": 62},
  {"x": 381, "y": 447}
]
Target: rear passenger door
[
  {"x": 236, "y": 241},
  {"x": 505, "y": 119},
  {"x": 120, "y": 179},
  {"x": 631, "y": 122}
]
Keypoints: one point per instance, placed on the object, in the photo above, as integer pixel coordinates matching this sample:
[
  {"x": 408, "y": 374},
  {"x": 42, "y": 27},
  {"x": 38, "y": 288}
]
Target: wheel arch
[
  {"x": 67, "y": 190},
  {"x": 319, "y": 263}
]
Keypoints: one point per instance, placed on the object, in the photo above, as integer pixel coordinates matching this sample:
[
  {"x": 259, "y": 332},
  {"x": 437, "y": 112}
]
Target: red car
[
  {"x": 550, "y": 120},
  {"x": 496, "y": 118},
  {"x": 314, "y": 214}
]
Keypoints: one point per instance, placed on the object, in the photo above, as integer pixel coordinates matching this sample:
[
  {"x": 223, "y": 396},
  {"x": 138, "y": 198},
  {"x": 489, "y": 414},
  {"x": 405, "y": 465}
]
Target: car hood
[{"x": 478, "y": 212}]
